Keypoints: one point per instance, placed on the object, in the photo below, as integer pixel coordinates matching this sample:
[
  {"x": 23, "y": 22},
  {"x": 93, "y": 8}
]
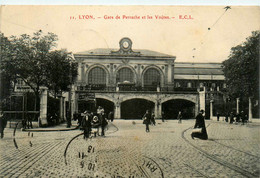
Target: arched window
[
  {"x": 97, "y": 75},
  {"x": 152, "y": 77},
  {"x": 125, "y": 74}
]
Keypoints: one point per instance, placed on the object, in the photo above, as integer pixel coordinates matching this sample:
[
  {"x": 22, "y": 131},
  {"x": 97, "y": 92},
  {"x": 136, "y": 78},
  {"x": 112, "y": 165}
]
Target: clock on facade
[{"x": 125, "y": 44}]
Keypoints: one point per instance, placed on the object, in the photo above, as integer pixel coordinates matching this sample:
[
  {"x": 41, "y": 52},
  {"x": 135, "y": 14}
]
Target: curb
[{"x": 49, "y": 130}]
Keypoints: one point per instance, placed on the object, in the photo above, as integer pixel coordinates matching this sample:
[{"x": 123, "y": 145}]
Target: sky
[{"x": 207, "y": 35}]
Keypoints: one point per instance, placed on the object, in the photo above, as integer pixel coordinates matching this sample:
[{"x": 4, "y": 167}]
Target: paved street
[{"x": 128, "y": 151}]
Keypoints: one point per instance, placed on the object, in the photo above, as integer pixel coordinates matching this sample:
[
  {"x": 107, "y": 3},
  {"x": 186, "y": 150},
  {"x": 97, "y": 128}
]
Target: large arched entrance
[
  {"x": 135, "y": 108},
  {"x": 106, "y": 104},
  {"x": 172, "y": 107}
]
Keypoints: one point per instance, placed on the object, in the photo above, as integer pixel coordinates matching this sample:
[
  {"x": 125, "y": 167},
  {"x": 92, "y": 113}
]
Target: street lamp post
[{"x": 69, "y": 108}]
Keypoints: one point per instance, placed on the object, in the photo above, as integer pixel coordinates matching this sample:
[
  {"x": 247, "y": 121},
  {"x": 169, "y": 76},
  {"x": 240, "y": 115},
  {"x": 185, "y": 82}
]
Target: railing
[
  {"x": 132, "y": 88},
  {"x": 99, "y": 87},
  {"x": 177, "y": 89}
]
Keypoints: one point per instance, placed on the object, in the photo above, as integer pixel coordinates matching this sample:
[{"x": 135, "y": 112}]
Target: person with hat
[
  {"x": 200, "y": 123},
  {"x": 147, "y": 120},
  {"x": 86, "y": 124}
]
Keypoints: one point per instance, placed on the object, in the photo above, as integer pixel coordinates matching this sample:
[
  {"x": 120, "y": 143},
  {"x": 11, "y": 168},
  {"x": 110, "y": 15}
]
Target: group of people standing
[
  {"x": 234, "y": 117},
  {"x": 149, "y": 118},
  {"x": 90, "y": 121}
]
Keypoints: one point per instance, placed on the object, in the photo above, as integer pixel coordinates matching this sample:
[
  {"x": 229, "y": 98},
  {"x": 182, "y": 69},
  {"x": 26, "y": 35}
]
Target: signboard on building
[{"x": 87, "y": 96}]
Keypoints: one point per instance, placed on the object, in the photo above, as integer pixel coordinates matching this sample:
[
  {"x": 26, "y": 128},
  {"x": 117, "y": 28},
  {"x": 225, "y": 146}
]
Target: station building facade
[{"x": 130, "y": 81}]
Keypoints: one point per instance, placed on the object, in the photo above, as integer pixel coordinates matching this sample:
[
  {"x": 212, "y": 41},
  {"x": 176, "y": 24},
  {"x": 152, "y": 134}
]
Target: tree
[
  {"x": 5, "y": 84},
  {"x": 241, "y": 69},
  {"x": 61, "y": 72},
  {"x": 26, "y": 58}
]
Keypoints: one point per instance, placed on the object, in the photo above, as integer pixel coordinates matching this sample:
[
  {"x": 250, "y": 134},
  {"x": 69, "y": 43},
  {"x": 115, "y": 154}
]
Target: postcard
[{"x": 118, "y": 90}]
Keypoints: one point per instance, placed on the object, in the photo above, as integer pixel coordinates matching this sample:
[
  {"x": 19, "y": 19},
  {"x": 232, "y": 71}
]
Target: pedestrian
[
  {"x": 243, "y": 117},
  {"x": 95, "y": 124},
  {"x": 103, "y": 120},
  {"x": 75, "y": 116},
  {"x": 237, "y": 117},
  {"x": 68, "y": 119},
  {"x": 3, "y": 122},
  {"x": 24, "y": 123},
  {"x": 29, "y": 121},
  {"x": 147, "y": 120},
  {"x": 179, "y": 117},
  {"x": 231, "y": 117},
  {"x": 79, "y": 118},
  {"x": 153, "y": 119},
  {"x": 111, "y": 116},
  {"x": 218, "y": 115},
  {"x": 100, "y": 110},
  {"x": 86, "y": 124},
  {"x": 246, "y": 118},
  {"x": 200, "y": 123},
  {"x": 226, "y": 117},
  {"x": 162, "y": 116}
]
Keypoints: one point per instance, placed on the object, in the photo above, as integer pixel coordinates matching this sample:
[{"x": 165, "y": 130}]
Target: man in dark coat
[
  {"x": 231, "y": 117},
  {"x": 153, "y": 119},
  {"x": 102, "y": 118},
  {"x": 147, "y": 120},
  {"x": 237, "y": 117},
  {"x": 200, "y": 123},
  {"x": 243, "y": 117},
  {"x": 86, "y": 124},
  {"x": 111, "y": 116},
  {"x": 218, "y": 115},
  {"x": 179, "y": 117},
  {"x": 3, "y": 123}
]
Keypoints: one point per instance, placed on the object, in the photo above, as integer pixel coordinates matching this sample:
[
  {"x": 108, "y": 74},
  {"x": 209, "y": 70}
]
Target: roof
[
  {"x": 107, "y": 51},
  {"x": 198, "y": 69},
  {"x": 199, "y": 77}
]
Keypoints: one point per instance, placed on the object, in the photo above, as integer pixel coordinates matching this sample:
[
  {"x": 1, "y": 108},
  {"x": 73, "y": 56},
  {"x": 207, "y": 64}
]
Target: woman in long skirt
[{"x": 200, "y": 123}]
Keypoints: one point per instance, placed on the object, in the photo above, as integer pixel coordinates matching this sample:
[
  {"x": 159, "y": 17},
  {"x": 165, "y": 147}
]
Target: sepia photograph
[{"x": 129, "y": 91}]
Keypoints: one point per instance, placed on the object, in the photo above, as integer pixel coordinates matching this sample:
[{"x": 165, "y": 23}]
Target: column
[
  {"x": 172, "y": 74},
  {"x": 197, "y": 108},
  {"x": 158, "y": 89},
  {"x": 159, "y": 110},
  {"x": 250, "y": 115},
  {"x": 82, "y": 72},
  {"x": 166, "y": 74},
  {"x": 169, "y": 73},
  {"x": 238, "y": 105},
  {"x": 61, "y": 108},
  {"x": 202, "y": 99},
  {"x": 64, "y": 109},
  {"x": 211, "y": 109},
  {"x": 138, "y": 77},
  {"x": 118, "y": 111},
  {"x": 112, "y": 76},
  {"x": 74, "y": 102},
  {"x": 43, "y": 108}
]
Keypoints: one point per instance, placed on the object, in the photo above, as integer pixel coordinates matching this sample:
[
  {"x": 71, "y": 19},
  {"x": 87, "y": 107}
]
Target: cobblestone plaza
[{"x": 128, "y": 151}]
